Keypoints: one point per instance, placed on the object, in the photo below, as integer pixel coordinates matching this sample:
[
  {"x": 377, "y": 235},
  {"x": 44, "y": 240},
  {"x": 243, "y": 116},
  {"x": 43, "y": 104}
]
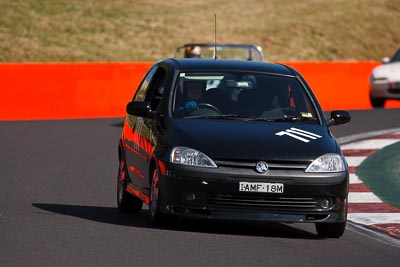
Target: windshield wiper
[{"x": 221, "y": 116}]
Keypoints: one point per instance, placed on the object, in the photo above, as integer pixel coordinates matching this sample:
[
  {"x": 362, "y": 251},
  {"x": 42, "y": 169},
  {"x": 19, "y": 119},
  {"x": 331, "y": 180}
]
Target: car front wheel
[
  {"x": 330, "y": 230},
  {"x": 154, "y": 208},
  {"x": 377, "y": 102}
]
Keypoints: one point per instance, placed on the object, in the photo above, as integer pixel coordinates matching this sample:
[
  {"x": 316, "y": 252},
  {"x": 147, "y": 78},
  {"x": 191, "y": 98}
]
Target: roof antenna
[{"x": 215, "y": 36}]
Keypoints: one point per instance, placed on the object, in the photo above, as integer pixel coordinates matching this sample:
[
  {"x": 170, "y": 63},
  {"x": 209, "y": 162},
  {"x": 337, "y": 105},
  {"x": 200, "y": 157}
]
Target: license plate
[{"x": 261, "y": 187}]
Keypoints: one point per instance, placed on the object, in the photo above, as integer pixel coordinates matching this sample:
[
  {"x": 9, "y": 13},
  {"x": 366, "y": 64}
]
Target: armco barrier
[{"x": 99, "y": 90}]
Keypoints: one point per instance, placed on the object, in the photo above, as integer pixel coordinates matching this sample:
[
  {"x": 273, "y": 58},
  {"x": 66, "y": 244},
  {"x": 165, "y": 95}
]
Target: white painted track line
[
  {"x": 363, "y": 197},
  {"x": 370, "y": 144},
  {"x": 374, "y": 218},
  {"x": 354, "y": 179},
  {"x": 354, "y": 161}
]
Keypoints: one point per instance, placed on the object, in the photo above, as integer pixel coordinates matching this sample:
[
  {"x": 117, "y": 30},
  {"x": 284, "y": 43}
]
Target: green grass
[{"x": 141, "y": 30}]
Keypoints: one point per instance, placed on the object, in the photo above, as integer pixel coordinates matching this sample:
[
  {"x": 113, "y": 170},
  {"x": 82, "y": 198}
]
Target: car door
[{"x": 138, "y": 133}]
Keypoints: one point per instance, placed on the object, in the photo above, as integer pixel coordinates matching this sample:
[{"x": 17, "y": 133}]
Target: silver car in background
[
  {"x": 385, "y": 81},
  {"x": 249, "y": 52}
]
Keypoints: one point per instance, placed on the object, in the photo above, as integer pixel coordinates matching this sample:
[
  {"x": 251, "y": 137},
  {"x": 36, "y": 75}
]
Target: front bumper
[
  {"x": 386, "y": 90},
  {"x": 214, "y": 194}
]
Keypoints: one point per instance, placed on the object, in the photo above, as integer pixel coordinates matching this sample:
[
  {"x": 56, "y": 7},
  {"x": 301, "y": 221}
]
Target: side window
[
  {"x": 301, "y": 101},
  {"x": 293, "y": 100},
  {"x": 141, "y": 92},
  {"x": 396, "y": 57},
  {"x": 159, "y": 90},
  {"x": 292, "y": 103},
  {"x": 156, "y": 88}
]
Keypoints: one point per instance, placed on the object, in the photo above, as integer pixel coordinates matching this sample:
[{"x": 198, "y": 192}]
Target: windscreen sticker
[
  {"x": 299, "y": 134},
  {"x": 306, "y": 115}
]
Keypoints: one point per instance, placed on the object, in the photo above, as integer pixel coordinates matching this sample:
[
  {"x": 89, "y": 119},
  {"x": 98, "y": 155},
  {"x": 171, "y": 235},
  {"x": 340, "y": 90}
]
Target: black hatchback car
[{"x": 232, "y": 140}]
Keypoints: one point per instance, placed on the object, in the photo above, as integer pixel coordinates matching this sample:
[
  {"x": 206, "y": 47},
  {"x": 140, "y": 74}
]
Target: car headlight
[
  {"x": 191, "y": 157},
  {"x": 378, "y": 79},
  {"x": 327, "y": 163}
]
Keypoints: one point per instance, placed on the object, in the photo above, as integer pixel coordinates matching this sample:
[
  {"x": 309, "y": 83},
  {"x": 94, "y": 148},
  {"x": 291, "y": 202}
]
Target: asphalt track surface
[{"x": 58, "y": 208}]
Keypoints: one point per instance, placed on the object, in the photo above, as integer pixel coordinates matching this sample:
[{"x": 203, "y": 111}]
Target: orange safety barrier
[
  {"x": 340, "y": 84},
  {"x": 67, "y": 90},
  {"x": 99, "y": 90}
]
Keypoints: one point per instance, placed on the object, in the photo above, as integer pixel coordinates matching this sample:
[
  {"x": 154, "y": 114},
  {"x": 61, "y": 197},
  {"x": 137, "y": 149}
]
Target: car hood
[
  {"x": 253, "y": 140},
  {"x": 391, "y": 71}
]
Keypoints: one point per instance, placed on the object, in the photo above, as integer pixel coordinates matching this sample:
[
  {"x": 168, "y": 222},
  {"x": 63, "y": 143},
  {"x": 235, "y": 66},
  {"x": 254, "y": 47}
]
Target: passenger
[{"x": 193, "y": 52}]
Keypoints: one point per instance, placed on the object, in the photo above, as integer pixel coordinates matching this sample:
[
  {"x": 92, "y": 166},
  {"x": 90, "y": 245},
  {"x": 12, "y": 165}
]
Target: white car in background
[
  {"x": 250, "y": 52},
  {"x": 385, "y": 81}
]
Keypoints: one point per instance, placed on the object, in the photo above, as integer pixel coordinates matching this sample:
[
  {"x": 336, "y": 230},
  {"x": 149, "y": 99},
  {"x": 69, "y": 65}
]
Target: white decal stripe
[
  {"x": 363, "y": 197},
  {"x": 294, "y": 132},
  {"x": 297, "y": 137},
  {"x": 281, "y": 133},
  {"x": 370, "y": 144},
  {"x": 300, "y": 133},
  {"x": 374, "y": 218},
  {"x": 306, "y": 132},
  {"x": 354, "y": 161}
]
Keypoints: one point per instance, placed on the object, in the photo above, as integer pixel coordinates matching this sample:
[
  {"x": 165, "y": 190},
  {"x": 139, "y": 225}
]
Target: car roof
[{"x": 188, "y": 64}]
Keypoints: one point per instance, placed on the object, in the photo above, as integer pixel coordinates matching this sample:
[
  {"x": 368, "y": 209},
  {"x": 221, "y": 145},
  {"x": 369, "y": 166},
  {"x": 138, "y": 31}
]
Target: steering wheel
[{"x": 208, "y": 106}]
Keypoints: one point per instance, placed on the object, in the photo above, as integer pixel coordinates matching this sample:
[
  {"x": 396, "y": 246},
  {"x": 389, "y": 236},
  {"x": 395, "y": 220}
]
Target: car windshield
[
  {"x": 224, "y": 51},
  {"x": 396, "y": 57},
  {"x": 241, "y": 95}
]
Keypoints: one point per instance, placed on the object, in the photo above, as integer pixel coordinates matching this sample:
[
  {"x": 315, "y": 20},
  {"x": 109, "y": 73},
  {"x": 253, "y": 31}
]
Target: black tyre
[
  {"x": 156, "y": 217},
  {"x": 377, "y": 102},
  {"x": 330, "y": 230},
  {"x": 126, "y": 202}
]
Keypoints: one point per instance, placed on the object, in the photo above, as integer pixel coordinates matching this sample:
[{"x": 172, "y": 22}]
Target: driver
[{"x": 193, "y": 92}]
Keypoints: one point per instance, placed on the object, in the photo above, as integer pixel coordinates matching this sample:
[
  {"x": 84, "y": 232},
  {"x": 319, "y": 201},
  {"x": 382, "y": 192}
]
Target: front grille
[
  {"x": 277, "y": 165},
  {"x": 262, "y": 202},
  {"x": 394, "y": 91}
]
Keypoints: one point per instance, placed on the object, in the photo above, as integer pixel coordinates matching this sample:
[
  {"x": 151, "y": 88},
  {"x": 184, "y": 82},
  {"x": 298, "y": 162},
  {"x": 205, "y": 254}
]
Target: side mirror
[
  {"x": 385, "y": 60},
  {"x": 139, "y": 108},
  {"x": 339, "y": 117}
]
